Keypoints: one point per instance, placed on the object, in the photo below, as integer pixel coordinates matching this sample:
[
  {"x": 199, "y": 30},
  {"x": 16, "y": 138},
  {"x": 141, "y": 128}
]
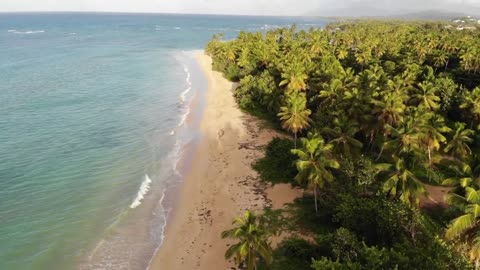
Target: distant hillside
[
  {"x": 433, "y": 15},
  {"x": 372, "y": 12},
  {"x": 353, "y": 12}
]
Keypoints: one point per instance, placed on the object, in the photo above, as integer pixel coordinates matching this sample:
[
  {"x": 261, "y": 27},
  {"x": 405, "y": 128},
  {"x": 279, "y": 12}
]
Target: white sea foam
[
  {"x": 178, "y": 153},
  {"x": 144, "y": 187},
  {"x": 172, "y": 132},
  {"x": 26, "y": 32},
  {"x": 184, "y": 117},
  {"x": 166, "y": 213},
  {"x": 189, "y": 82},
  {"x": 178, "y": 28},
  {"x": 183, "y": 95}
]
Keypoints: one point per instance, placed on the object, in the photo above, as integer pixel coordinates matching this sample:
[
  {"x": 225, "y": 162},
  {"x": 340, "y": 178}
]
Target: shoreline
[{"x": 220, "y": 183}]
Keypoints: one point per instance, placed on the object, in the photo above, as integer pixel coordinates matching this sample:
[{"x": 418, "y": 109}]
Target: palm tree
[
  {"x": 429, "y": 132},
  {"x": 458, "y": 145},
  {"x": 294, "y": 78},
  {"x": 464, "y": 176},
  {"x": 440, "y": 59},
  {"x": 331, "y": 92},
  {"x": 468, "y": 58},
  {"x": 264, "y": 52},
  {"x": 471, "y": 102},
  {"x": 363, "y": 55},
  {"x": 295, "y": 116},
  {"x": 404, "y": 138},
  {"x": 348, "y": 78},
  {"x": 341, "y": 52},
  {"x": 343, "y": 135},
  {"x": 244, "y": 58},
  {"x": 389, "y": 110},
  {"x": 230, "y": 52},
  {"x": 450, "y": 45},
  {"x": 426, "y": 97},
  {"x": 252, "y": 238},
  {"x": 318, "y": 42},
  {"x": 467, "y": 226},
  {"x": 315, "y": 160},
  {"x": 213, "y": 45},
  {"x": 402, "y": 182},
  {"x": 420, "y": 49}
]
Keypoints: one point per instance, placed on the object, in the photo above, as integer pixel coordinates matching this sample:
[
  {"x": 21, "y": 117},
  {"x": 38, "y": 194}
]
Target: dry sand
[{"x": 221, "y": 183}]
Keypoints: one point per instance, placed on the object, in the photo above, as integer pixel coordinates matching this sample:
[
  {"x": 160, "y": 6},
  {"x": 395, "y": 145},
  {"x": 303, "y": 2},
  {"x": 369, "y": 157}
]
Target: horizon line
[
  {"x": 160, "y": 13},
  {"x": 327, "y": 17}
]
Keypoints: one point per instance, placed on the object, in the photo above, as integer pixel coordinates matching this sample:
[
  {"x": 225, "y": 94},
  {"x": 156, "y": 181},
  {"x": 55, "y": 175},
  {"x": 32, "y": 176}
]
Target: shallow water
[{"x": 93, "y": 119}]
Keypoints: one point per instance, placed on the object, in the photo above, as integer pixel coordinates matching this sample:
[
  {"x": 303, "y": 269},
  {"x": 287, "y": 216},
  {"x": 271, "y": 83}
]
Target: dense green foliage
[
  {"x": 278, "y": 164},
  {"x": 384, "y": 108}
]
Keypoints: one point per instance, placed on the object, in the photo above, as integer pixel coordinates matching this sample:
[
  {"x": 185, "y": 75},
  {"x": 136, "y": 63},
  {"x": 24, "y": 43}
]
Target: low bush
[{"x": 278, "y": 164}]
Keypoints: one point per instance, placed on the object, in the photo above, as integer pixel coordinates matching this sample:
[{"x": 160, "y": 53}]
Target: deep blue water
[{"x": 91, "y": 109}]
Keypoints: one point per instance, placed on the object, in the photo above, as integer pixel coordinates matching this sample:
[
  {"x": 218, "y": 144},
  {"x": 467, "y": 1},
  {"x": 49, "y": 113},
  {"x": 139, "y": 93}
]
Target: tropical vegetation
[{"x": 384, "y": 111}]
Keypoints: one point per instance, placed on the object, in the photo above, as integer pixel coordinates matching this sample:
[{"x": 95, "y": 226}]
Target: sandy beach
[{"x": 220, "y": 184}]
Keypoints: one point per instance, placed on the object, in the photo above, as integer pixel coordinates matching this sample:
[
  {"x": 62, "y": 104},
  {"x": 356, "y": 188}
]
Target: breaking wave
[{"x": 144, "y": 187}]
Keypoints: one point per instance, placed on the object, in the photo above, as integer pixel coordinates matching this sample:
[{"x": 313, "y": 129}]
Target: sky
[{"x": 251, "y": 7}]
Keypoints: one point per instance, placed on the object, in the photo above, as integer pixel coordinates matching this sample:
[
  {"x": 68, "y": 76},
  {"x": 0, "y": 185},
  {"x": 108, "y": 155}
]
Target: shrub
[
  {"x": 232, "y": 72},
  {"x": 278, "y": 164},
  {"x": 376, "y": 220},
  {"x": 326, "y": 264},
  {"x": 345, "y": 245},
  {"x": 294, "y": 254}
]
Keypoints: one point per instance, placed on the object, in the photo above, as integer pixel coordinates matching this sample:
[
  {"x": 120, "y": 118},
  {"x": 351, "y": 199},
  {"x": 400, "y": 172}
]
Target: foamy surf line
[
  {"x": 183, "y": 95},
  {"x": 162, "y": 231},
  {"x": 168, "y": 197},
  {"x": 189, "y": 75},
  {"x": 183, "y": 99},
  {"x": 183, "y": 120},
  {"x": 104, "y": 257},
  {"x": 184, "y": 131},
  {"x": 29, "y": 32},
  {"x": 144, "y": 188}
]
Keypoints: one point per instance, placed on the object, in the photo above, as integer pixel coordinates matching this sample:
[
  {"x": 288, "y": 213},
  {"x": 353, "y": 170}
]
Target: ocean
[{"x": 97, "y": 116}]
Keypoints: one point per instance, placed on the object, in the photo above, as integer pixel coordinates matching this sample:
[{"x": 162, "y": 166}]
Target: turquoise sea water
[{"x": 92, "y": 125}]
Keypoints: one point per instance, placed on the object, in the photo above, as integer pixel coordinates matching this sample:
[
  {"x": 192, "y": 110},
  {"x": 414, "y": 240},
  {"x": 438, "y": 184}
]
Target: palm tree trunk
[
  {"x": 295, "y": 143},
  {"x": 429, "y": 156},
  {"x": 315, "y": 195},
  {"x": 372, "y": 137},
  {"x": 250, "y": 260},
  {"x": 446, "y": 64},
  {"x": 380, "y": 154},
  {"x": 477, "y": 264}
]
